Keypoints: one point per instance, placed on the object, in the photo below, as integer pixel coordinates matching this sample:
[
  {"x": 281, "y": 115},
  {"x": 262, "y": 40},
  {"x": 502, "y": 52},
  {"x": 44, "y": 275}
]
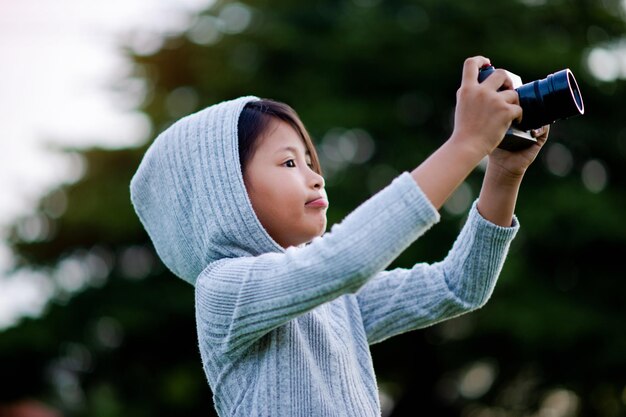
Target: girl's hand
[
  {"x": 484, "y": 111},
  {"x": 503, "y": 179},
  {"x": 514, "y": 164}
]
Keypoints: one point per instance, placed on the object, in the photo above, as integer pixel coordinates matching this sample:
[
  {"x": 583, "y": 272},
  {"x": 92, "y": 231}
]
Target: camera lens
[{"x": 544, "y": 101}]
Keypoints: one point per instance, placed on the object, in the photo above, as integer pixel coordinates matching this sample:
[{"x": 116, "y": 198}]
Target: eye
[{"x": 290, "y": 163}]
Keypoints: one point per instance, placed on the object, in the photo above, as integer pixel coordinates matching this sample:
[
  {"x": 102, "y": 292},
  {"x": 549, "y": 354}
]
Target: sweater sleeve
[
  {"x": 239, "y": 300},
  {"x": 400, "y": 300}
]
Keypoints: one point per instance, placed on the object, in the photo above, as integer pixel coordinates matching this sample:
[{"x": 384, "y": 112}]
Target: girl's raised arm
[
  {"x": 401, "y": 300},
  {"x": 239, "y": 300}
]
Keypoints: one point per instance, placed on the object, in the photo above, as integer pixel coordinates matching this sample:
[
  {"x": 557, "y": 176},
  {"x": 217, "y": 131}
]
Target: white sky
[{"x": 59, "y": 60}]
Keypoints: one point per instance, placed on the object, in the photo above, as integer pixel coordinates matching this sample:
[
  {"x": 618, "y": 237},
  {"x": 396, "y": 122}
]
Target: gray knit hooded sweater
[{"x": 286, "y": 332}]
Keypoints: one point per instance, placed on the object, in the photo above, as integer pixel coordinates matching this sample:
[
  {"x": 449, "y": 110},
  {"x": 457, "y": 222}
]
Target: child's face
[{"x": 280, "y": 183}]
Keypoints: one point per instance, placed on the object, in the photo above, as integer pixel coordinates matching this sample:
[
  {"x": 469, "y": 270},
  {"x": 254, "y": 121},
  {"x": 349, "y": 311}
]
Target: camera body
[{"x": 543, "y": 102}]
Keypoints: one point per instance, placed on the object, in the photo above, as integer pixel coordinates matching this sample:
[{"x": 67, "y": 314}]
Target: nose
[{"x": 316, "y": 180}]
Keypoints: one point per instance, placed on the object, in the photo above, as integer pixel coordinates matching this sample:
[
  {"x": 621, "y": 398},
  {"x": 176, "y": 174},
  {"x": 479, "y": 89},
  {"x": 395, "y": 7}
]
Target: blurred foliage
[{"x": 119, "y": 337}]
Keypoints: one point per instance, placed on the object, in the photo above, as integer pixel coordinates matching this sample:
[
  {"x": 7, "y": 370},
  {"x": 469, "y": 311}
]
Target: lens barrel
[{"x": 544, "y": 101}]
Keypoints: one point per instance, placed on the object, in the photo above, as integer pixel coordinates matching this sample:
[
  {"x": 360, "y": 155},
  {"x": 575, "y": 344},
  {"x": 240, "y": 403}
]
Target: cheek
[
  {"x": 275, "y": 203},
  {"x": 288, "y": 204}
]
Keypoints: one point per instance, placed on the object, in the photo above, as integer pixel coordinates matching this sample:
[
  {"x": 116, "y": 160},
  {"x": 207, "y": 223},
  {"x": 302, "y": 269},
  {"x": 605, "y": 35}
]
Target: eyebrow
[{"x": 292, "y": 149}]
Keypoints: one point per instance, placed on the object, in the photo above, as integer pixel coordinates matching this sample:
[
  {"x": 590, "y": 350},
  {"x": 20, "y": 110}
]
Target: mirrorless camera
[{"x": 543, "y": 102}]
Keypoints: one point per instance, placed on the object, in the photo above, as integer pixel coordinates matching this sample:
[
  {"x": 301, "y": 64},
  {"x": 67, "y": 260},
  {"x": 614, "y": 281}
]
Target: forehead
[{"x": 282, "y": 137}]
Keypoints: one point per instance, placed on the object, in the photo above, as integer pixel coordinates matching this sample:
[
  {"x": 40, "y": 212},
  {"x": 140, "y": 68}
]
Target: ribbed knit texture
[
  {"x": 190, "y": 196},
  {"x": 286, "y": 332}
]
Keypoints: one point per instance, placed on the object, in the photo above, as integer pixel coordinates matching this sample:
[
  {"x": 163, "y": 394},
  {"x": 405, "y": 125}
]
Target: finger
[
  {"x": 541, "y": 140},
  {"x": 512, "y": 115},
  {"x": 542, "y": 131},
  {"x": 543, "y": 137},
  {"x": 510, "y": 96},
  {"x": 508, "y": 82},
  {"x": 499, "y": 79},
  {"x": 516, "y": 112},
  {"x": 471, "y": 67}
]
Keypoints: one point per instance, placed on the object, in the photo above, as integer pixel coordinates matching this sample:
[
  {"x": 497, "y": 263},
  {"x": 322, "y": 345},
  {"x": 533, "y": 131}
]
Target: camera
[{"x": 543, "y": 102}]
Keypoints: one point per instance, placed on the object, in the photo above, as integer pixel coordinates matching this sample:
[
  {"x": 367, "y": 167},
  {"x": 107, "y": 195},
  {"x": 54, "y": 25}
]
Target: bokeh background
[{"x": 92, "y": 324}]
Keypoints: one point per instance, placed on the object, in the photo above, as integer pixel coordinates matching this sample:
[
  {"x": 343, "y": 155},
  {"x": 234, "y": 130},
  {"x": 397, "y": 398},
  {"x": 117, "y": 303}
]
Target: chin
[
  {"x": 320, "y": 231},
  {"x": 314, "y": 233},
  {"x": 313, "y": 237}
]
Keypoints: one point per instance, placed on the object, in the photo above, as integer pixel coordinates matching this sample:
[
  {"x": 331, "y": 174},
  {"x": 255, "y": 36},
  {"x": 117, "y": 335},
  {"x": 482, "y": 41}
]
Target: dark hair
[{"x": 256, "y": 118}]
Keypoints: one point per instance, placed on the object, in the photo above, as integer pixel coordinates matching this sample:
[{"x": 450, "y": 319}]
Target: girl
[{"x": 234, "y": 202}]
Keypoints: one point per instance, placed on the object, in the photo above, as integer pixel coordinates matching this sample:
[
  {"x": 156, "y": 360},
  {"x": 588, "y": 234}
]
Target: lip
[{"x": 318, "y": 203}]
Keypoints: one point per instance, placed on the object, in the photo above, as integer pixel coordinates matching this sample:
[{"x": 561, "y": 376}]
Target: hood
[{"x": 190, "y": 196}]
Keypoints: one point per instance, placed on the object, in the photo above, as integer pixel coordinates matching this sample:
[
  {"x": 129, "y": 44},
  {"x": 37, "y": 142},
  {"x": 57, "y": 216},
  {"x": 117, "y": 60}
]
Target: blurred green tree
[{"x": 375, "y": 84}]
